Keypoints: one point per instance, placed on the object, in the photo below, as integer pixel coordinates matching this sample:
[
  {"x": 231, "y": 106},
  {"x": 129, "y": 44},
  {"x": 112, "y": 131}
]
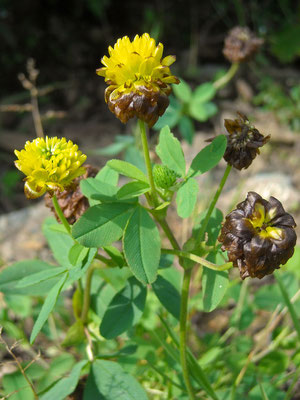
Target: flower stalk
[
  {"x": 60, "y": 214},
  {"x": 221, "y": 82},
  {"x": 198, "y": 260},
  {"x": 148, "y": 162}
]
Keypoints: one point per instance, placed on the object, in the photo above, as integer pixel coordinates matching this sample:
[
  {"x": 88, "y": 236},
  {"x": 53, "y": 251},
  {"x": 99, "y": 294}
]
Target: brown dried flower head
[
  {"x": 241, "y": 44},
  {"x": 138, "y": 78},
  {"x": 258, "y": 235},
  {"x": 72, "y": 202},
  {"x": 243, "y": 142}
]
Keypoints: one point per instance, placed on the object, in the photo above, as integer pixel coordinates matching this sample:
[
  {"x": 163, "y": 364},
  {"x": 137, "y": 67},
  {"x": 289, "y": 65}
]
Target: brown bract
[
  {"x": 258, "y": 235},
  {"x": 72, "y": 202},
  {"x": 243, "y": 142},
  {"x": 241, "y": 44},
  {"x": 147, "y": 104}
]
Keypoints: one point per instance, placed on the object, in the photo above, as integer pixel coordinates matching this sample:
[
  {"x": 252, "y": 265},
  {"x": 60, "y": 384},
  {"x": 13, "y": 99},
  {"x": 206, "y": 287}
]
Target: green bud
[{"x": 164, "y": 177}]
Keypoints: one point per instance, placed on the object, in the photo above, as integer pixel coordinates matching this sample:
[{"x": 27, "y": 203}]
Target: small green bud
[{"x": 164, "y": 177}]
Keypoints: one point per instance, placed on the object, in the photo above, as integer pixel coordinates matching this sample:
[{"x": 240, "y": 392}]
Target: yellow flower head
[
  {"x": 49, "y": 164},
  {"x": 138, "y": 79}
]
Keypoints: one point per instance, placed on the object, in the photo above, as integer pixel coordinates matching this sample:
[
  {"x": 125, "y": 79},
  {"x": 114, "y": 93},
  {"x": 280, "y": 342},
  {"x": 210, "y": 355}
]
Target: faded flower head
[
  {"x": 258, "y": 236},
  {"x": 241, "y": 44},
  {"x": 164, "y": 177},
  {"x": 243, "y": 142},
  {"x": 71, "y": 201},
  {"x": 138, "y": 79},
  {"x": 49, "y": 164}
]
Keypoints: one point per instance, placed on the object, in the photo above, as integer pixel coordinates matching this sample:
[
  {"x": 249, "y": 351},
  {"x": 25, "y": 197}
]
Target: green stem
[
  {"x": 198, "y": 259},
  {"x": 148, "y": 162},
  {"x": 60, "y": 214},
  {"x": 218, "y": 84},
  {"x": 213, "y": 203},
  {"x": 163, "y": 223},
  {"x": 109, "y": 262},
  {"x": 87, "y": 294},
  {"x": 183, "y": 333}
]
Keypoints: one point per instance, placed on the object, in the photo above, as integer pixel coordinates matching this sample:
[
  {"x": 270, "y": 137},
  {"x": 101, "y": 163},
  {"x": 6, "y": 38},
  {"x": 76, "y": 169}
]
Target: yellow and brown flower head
[
  {"x": 71, "y": 201},
  {"x": 138, "y": 78},
  {"x": 241, "y": 44},
  {"x": 258, "y": 235},
  {"x": 243, "y": 142},
  {"x": 49, "y": 164}
]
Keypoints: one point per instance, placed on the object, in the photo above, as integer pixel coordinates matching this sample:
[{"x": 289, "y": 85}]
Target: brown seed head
[
  {"x": 241, "y": 44},
  {"x": 72, "y": 202},
  {"x": 243, "y": 142},
  {"x": 258, "y": 235}
]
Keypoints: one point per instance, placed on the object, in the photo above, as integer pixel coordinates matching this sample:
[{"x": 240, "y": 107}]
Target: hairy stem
[{"x": 183, "y": 331}]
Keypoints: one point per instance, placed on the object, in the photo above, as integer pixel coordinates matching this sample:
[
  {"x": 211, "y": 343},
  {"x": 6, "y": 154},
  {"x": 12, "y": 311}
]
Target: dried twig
[{"x": 10, "y": 351}]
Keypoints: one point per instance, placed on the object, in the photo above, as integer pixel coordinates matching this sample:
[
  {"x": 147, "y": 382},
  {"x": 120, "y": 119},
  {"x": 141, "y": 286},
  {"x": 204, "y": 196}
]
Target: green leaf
[
  {"x": 135, "y": 156},
  {"x": 108, "y": 381},
  {"x": 77, "y": 272},
  {"x": 186, "y": 128},
  {"x": 128, "y": 169},
  {"x": 167, "y": 295},
  {"x": 270, "y": 390},
  {"x": 77, "y": 253},
  {"x": 204, "y": 93},
  {"x": 170, "y": 152},
  {"x": 171, "y": 116},
  {"x": 59, "y": 241},
  {"x": 208, "y": 157},
  {"x": 112, "y": 150},
  {"x": 132, "y": 189},
  {"x": 127, "y": 350},
  {"x": 20, "y": 305},
  {"x": 10, "y": 276},
  {"x": 102, "y": 224},
  {"x": 17, "y": 383},
  {"x": 115, "y": 255},
  {"x": 274, "y": 363},
  {"x": 286, "y": 44},
  {"x": 202, "y": 111},
  {"x": 213, "y": 227},
  {"x": 125, "y": 309},
  {"x": 40, "y": 276},
  {"x": 108, "y": 175},
  {"x": 48, "y": 306},
  {"x": 293, "y": 263},
  {"x": 214, "y": 284},
  {"x": 182, "y": 91},
  {"x": 65, "y": 386},
  {"x": 186, "y": 198},
  {"x": 166, "y": 261},
  {"x": 141, "y": 243},
  {"x": 75, "y": 334},
  {"x": 95, "y": 189},
  {"x": 269, "y": 296}
]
